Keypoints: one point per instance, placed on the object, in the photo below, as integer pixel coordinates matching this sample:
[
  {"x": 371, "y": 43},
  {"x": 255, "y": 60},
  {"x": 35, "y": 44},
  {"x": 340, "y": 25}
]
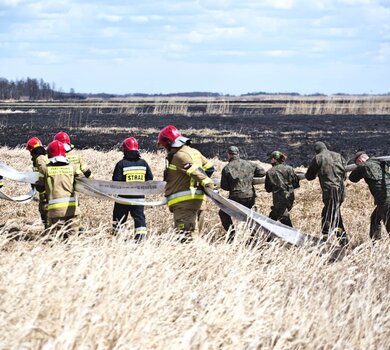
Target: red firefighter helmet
[
  {"x": 130, "y": 144},
  {"x": 62, "y": 137},
  {"x": 56, "y": 149},
  {"x": 32, "y": 143},
  {"x": 169, "y": 135}
]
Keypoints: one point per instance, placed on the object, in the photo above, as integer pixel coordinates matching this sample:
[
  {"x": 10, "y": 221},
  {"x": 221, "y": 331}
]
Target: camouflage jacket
[
  {"x": 281, "y": 181},
  {"x": 237, "y": 178},
  {"x": 377, "y": 176},
  {"x": 330, "y": 168}
]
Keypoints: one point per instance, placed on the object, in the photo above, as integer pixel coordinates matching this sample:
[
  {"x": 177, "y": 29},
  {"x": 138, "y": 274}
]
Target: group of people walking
[{"x": 187, "y": 171}]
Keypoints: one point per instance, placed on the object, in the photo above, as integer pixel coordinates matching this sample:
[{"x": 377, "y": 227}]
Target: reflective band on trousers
[
  {"x": 141, "y": 230},
  {"x": 184, "y": 196},
  {"x": 62, "y": 202}
]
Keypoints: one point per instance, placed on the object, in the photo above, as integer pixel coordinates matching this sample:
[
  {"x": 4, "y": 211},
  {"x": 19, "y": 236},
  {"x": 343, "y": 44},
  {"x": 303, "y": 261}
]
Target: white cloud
[
  {"x": 271, "y": 4},
  {"x": 342, "y": 32},
  {"x": 175, "y": 48},
  {"x": 11, "y": 3},
  {"x": 139, "y": 19},
  {"x": 46, "y": 57},
  {"x": 200, "y": 32},
  {"x": 234, "y": 53},
  {"x": 280, "y": 4},
  {"x": 319, "y": 46},
  {"x": 383, "y": 55},
  {"x": 357, "y": 2},
  {"x": 109, "y": 18},
  {"x": 110, "y": 32},
  {"x": 278, "y": 53},
  {"x": 215, "y": 33}
]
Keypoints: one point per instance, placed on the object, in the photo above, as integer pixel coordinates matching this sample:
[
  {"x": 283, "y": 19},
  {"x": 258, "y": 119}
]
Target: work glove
[{"x": 87, "y": 174}]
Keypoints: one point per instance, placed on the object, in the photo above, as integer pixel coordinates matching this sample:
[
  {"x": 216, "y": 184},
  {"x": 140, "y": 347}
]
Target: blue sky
[{"x": 225, "y": 46}]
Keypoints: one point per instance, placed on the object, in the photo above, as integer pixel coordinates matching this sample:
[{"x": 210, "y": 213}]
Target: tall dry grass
[
  {"x": 222, "y": 105},
  {"x": 104, "y": 292}
]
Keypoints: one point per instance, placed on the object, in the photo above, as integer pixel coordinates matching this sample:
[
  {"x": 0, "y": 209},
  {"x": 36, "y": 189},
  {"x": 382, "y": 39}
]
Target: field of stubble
[{"x": 104, "y": 292}]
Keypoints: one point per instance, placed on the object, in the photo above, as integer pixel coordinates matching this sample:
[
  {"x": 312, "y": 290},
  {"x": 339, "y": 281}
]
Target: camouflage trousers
[
  {"x": 380, "y": 214},
  {"x": 332, "y": 221},
  {"x": 281, "y": 212},
  {"x": 226, "y": 219}
]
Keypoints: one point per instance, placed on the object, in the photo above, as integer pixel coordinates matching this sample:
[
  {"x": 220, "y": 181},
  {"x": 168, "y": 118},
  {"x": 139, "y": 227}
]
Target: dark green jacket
[
  {"x": 281, "y": 181},
  {"x": 377, "y": 176},
  {"x": 237, "y": 178},
  {"x": 330, "y": 168}
]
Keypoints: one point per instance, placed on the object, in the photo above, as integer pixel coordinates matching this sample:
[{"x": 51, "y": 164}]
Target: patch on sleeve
[{"x": 186, "y": 166}]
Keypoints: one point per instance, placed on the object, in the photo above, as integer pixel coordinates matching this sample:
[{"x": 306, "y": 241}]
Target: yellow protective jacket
[
  {"x": 58, "y": 179},
  {"x": 185, "y": 175},
  {"x": 75, "y": 158},
  {"x": 37, "y": 163}
]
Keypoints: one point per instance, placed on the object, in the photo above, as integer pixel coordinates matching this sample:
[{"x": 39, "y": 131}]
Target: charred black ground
[{"x": 256, "y": 135}]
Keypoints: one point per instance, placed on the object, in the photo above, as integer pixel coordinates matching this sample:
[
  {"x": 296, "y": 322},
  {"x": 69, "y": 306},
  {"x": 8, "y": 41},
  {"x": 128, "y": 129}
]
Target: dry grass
[
  {"x": 101, "y": 292},
  {"x": 223, "y": 105}
]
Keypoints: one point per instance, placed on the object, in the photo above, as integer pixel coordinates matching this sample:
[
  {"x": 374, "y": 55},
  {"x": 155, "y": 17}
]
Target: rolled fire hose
[{"x": 25, "y": 198}]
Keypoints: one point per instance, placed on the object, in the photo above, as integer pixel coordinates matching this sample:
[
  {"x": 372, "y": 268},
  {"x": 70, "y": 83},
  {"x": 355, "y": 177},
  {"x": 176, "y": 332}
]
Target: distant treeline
[
  {"x": 38, "y": 89},
  {"x": 32, "y": 89}
]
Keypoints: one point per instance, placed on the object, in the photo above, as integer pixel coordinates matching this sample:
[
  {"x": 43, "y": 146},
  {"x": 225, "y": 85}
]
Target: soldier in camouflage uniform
[
  {"x": 281, "y": 181},
  {"x": 377, "y": 176},
  {"x": 237, "y": 178},
  {"x": 330, "y": 168}
]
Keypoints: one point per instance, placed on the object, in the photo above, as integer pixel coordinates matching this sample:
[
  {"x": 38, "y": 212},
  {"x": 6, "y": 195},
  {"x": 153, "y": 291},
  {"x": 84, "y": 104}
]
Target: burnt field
[{"x": 255, "y": 134}]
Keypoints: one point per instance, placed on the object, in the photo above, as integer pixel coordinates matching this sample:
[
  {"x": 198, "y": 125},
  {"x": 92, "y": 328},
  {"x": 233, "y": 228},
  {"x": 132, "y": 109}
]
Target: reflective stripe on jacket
[
  {"x": 62, "y": 202},
  {"x": 131, "y": 170},
  {"x": 185, "y": 196},
  {"x": 184, "y": 174},
  {"x": 135, "y": 173}
]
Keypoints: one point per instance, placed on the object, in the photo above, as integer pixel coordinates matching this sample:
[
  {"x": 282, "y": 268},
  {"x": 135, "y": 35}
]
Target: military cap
[
  {"x": 279, "y": 156},
  {"x": 358, "y": 154},
  {"x": 233, "y": 150}
]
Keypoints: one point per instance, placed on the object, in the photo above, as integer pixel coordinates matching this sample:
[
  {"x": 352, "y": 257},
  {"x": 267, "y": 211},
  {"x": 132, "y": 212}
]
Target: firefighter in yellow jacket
[
  {"x": 39, "y": 158},
  {"x": 185, "y": 174},
  {"x": 70, "y": 153},
  {"x": 58, "y": 178}
]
